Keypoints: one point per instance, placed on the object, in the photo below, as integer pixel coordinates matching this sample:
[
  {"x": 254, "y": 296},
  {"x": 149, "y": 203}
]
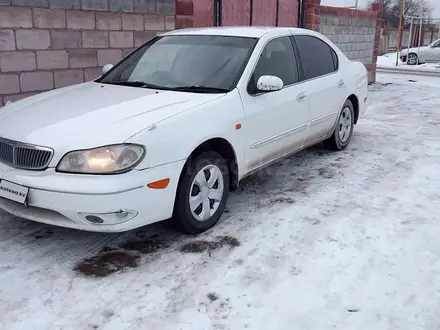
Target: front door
[
  {"x": 432, "y": 54},
  {"x": 275, "y": 122}
]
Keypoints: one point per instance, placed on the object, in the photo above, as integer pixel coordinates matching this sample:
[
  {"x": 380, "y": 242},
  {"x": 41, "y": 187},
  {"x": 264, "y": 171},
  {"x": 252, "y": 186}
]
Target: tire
[
  {"x": 338, "y": 140},
  {"x": 212, "y": 199},
  {"x": 412, "y": 59}
]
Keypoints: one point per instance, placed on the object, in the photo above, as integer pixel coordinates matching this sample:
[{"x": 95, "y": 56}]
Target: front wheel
[
  {"x": 412, "y": 59},
  {"x": 202, "y": 193},
  {"x": 344, "y": 128}
]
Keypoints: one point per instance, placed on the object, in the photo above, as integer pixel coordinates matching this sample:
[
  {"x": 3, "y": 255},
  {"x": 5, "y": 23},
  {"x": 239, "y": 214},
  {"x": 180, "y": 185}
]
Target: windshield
[{"x": 186, "y": 63}]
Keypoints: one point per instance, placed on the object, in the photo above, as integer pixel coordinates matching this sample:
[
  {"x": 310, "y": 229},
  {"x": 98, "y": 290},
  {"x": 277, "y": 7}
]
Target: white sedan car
[
  {"x": 168, "y": 131},
  {"x": 424, "y": 54}
]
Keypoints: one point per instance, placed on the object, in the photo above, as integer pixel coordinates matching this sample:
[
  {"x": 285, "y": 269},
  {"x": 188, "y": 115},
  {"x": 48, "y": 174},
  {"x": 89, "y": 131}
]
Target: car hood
[{"x": 91, "y": 114}]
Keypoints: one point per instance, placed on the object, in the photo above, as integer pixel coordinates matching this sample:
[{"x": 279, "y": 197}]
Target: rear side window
[{"x": 318, "y": 57}]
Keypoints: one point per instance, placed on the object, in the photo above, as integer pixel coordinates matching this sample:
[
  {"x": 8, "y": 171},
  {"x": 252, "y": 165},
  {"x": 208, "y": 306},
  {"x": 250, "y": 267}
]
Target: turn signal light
[{"x": 161, "y": 184}]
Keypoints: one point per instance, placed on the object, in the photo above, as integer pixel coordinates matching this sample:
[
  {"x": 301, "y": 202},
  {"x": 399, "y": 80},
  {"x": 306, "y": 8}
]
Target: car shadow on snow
[{"x": 102, "y": 254}]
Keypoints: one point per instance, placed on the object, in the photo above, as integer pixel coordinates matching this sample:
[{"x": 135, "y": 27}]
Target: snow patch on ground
[{"x": 345, "y": 240}]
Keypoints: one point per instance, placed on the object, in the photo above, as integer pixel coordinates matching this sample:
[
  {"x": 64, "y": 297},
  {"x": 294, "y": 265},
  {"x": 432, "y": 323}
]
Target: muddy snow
[{"x": 322, "y": 240}]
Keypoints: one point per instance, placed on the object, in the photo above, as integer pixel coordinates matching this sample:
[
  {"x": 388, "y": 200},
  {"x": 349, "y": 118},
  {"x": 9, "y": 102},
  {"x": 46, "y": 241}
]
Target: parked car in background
[
  {"x": 174, "y": 126},
  {"x": 424, "y": 54}
]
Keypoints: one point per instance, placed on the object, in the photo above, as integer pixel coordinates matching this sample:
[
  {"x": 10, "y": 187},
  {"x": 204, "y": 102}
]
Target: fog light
[
  {"x": 94, "y": 219},
  {"x": 108, "y": 218}
]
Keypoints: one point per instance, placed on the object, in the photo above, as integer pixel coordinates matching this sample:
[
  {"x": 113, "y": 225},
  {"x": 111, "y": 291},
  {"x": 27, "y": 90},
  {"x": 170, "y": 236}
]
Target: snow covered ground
[
  {"x": 389, "y": 61},
  {"x": 323, "y": 240}
]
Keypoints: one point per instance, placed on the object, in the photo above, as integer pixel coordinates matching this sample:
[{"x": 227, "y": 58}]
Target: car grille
[{"x": 24, "y": 156}]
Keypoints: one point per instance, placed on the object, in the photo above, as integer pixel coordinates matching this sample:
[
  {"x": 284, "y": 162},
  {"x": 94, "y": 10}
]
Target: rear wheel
[
  {"x": 202, "y": 193},
  {"x": 344, "y": 128}
]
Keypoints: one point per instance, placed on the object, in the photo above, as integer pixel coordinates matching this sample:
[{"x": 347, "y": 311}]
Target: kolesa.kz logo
[{"x": 12, "y": 191}]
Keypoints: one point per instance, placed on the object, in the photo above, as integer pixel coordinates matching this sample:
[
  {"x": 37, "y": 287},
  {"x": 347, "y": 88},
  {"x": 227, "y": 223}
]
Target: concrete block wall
[
  {"x": 46, "y": 44},
  {"x": 353, "y": 35},
  {"x": 355, "y": 32},
  {"x": 392, "y": 44},
  {"x": 384, "y": 42},
  {"x": 430, "y": 36},
  {"x": 427, "y": 37}
]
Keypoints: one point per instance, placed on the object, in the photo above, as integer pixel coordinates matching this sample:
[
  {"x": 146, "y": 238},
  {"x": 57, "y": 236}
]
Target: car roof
[{"x": 236, "y": 31}]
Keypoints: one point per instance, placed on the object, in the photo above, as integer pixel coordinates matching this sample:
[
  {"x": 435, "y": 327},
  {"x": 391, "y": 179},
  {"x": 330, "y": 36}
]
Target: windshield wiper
[
  {"x": 136, "y": 83},
  {"x": 200, "y": 89},
  {"x": 194, "y": 89}
]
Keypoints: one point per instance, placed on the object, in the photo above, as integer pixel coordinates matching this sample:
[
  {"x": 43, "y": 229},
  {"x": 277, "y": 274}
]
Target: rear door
[{"x": 323, "y": 83}]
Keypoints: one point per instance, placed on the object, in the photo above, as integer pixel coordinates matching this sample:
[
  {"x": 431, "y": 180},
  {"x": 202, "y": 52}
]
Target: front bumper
[{"x": 122, "y": 202}]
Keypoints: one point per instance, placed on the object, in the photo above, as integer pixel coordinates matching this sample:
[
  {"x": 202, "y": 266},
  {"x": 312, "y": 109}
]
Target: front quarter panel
[{"x": 177, "y": 137}]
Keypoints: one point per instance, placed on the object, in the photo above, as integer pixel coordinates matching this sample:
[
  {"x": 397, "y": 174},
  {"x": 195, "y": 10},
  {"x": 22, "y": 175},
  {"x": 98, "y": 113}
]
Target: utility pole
[
  {"x": 399, "y": 42},
  {"x": 420, "y": 29}
]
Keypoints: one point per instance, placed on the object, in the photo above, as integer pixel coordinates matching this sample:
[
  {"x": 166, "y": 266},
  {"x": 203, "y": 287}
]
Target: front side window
[
  {"x": 437, "y": 44},
  {"x": 185, "y": 61},
  {"x": 318, "y": 57},
  {"x": 277, "y": 59}
]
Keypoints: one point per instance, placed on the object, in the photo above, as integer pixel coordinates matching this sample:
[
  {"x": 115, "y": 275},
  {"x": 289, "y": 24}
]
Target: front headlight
[{"x": 111, "y": 159}]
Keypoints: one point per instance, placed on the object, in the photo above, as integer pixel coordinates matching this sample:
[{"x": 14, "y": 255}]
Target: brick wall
[
  {"x": 185, "y": 13},
  {"x": 46, "y": 44},
  {"x": 355, "y": 32}
]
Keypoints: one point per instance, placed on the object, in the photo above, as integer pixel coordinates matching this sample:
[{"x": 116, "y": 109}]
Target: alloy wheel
[
  {"x": 206, "y": 192},
  {"x": 412, "y": 59},
  {"x": 345, "y": 125}
]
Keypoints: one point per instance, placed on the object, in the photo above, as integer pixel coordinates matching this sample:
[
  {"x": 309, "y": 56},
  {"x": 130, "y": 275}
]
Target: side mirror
[
  {"x": 269, "y": 84},
  {"x": 106, "y": 68}
]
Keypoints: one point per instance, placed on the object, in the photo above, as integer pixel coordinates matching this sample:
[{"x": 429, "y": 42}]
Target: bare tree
[{"x": 391, "y": 10}]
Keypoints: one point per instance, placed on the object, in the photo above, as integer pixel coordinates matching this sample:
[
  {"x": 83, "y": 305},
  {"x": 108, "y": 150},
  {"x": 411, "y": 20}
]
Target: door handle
[
  {"x": 341, "y": 83},
  {"x": 301, "y": 97}
]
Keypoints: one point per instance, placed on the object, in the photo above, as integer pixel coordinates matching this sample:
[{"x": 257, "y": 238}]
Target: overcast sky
[{"x": 435, "y": 4}]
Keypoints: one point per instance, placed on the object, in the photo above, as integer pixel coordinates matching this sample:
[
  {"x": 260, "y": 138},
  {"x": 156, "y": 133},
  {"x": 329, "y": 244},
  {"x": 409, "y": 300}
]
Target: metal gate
[
  {"x": 246, "y": 12},
  {"x": 256, "y": 12}
]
